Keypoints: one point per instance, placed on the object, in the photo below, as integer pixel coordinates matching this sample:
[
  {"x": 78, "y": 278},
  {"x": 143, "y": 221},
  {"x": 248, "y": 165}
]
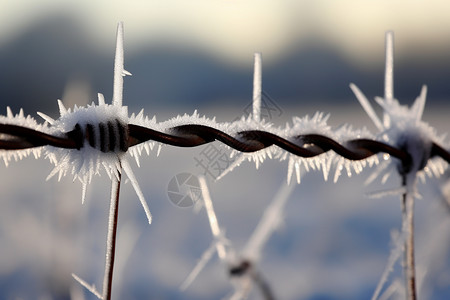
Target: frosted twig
[
  {"x": 213, "y": 223},
  {"x": 408, "y": 225},
  {"x": 243, "y": 267},
  {"x": 263, "y": 285},
  {"x": 89, "y": 287},
  {"x": 396, "y": 252},
  {"x": 256, "y": 110},
  {"x": 206, "y": 256},
  {"x": 395, "y": 288},
  {"x": 111, "y": 240},
  {"x": 129, "y": 236},
  {"x": 404, "y": 129},
  {"x": 386, "y": 193},
  {"x": 268, "y": 223}
]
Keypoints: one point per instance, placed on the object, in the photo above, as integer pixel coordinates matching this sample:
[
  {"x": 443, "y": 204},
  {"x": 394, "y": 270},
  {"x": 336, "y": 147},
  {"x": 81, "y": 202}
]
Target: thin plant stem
[
  {"x": 263, "y": 285},
  {"x": 408, "y": 227},
  {"x": 112, "y": 233}
]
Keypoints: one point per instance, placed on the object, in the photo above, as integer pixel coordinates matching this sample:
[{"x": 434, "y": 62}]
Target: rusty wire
[{"x": 14, "y": 137}]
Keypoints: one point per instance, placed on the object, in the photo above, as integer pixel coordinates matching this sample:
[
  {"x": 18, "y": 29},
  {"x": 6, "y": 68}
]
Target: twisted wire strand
[
  {"x": 19, "y": 137},
  {"x": 14, "y": 137}
]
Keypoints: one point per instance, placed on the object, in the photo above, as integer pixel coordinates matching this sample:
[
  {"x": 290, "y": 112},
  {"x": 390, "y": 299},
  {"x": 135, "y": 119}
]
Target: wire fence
[{"x": 17, "y": 137}]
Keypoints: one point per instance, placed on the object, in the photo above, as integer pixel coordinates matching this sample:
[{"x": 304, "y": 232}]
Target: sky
[
  {"x": 232, "y": 30},
  {"x": 197, "y": 53}
]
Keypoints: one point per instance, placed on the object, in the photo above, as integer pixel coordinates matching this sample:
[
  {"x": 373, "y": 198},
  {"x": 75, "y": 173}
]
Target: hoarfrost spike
[
  {"x": 101, "y": 99},
  {"x": 118, "y": 68},
  {"x": 9, "y": 113},
  {"x": 90, "y": 288},
  {"x": 419, "y": 105},
  {"x": 257, "y": 86},
  {"x": 49, "y": 119},
  {"x": 389, "y": 71},
  {"x": 127, "y": 168},
  {"x": 140, "y": 115},
  {"x": 126, "y": 73},
  {"x": 366, "y": 106},
  {"x": 233, "y": 165},
  {"x": 159, "y": 150},
  {"x": 83, "y": 193},
  {"x": 62, "y": 108}
]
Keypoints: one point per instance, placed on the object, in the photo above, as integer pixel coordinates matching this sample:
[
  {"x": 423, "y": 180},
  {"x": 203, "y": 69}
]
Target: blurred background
[{"x": 187, "y": 55}]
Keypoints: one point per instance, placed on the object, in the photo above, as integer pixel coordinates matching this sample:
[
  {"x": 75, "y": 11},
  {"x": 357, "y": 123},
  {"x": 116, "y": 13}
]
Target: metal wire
[{"x": 14, "y": 137}]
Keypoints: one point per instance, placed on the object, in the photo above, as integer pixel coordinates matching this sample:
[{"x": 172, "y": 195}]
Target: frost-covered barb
[
  {"x": 403, "y": 128},
  {"x": 242, "y": 268},
  {"x": 82, "y": 142},
  {"x": 252, "y": 122},
  {"x": 302, "y": 132},
  {"x": 8, "y": 143}
]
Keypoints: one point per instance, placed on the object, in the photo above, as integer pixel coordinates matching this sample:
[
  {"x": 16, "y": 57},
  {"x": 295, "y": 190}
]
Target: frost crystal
[
  {"x": 403, "y": 128},
  {"x": 258, "y": 157},
  {"x": 252, "y": 122},
  {"x": 24, "y": 121},
  {"x": 86, "y": 162},
  {"x": 317, "y": 124},
  {"x": 346, "y": 133},
  {"x": 101, "y": 131}
]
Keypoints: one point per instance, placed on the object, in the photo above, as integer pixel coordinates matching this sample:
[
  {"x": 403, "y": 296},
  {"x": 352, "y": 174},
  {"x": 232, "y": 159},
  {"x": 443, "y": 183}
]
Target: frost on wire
[
  {"x": 103, "y": 127},
  {"x": 403, "y": 128}
]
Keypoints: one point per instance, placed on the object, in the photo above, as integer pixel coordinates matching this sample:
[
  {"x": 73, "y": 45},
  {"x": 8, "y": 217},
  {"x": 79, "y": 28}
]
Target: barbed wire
[{"x": 15, "y": 137}]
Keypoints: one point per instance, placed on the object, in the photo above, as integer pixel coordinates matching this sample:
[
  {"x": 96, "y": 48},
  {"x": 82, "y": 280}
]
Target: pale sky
[{"x": 233, "y": 30}]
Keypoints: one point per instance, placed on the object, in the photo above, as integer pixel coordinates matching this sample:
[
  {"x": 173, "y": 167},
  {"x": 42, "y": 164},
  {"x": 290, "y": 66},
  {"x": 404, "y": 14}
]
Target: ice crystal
[
  {"x": 340, "y": 164},
  {"x": 84, "y": 163},
  {"x": 317, "y": 124},
  {"x": 252, "y": 122},
  {"x": 403, "y": 128},
  {"x": 258, "y": 157},
  {"x": 24, "y": 121}
]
